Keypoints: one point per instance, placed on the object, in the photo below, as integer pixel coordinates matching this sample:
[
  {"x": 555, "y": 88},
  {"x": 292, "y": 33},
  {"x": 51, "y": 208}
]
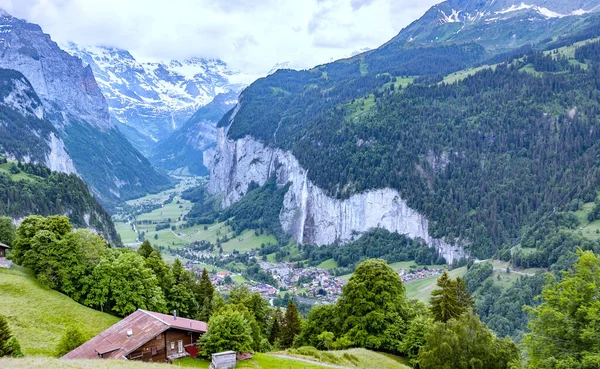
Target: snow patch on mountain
[{"x": 154, "y": 98}]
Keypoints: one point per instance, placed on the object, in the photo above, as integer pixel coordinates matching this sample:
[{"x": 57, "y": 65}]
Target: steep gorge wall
[{"x": 308, "y": 213}]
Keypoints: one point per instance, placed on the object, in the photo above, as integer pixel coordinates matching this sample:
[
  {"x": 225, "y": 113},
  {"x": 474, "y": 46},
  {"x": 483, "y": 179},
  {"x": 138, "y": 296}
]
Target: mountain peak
[{"x": 497, "y": 24}]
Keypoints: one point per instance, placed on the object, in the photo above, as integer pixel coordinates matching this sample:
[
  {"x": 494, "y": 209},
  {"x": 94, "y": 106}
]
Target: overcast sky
[{"x": 250, "y": 35}]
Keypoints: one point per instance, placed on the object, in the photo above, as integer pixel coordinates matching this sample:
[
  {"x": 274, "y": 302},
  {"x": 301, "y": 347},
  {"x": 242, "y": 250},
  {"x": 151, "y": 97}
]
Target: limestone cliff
[{"x": 308, "y": 213}]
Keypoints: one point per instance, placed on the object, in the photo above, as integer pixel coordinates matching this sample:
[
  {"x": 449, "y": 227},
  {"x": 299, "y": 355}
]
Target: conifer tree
[
  {"x": 145, "y": 249},
  {"x": 275, "y": 332},
  {"x": 444, "y": 301},
  {"x": 204, "y": 292},
  {"x": 8, "y": 344},
  {"x": 292, "y": 325}
]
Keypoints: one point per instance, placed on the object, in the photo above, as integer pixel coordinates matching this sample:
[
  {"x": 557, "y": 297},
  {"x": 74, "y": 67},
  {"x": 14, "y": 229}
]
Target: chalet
[
  {"x": 3, "y": 262},
  {"x": 146, "y": 336}
]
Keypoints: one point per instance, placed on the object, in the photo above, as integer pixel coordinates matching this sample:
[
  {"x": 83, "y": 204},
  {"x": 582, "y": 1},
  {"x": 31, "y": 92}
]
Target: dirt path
[{"x": 312, "y": 361}]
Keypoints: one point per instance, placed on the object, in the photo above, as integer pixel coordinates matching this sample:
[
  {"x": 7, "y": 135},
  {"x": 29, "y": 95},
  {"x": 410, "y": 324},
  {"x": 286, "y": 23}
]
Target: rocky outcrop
[
  {"x": 66, "y": 124},
  {"x": 308, "y": 213}
]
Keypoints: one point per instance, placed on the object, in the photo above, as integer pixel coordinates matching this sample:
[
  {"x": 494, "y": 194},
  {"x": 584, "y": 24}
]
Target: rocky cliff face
[
  {"x": 308, "y": 214},
  {"x": 27, "y": 135},
  {"x": 71, "y": 117}
]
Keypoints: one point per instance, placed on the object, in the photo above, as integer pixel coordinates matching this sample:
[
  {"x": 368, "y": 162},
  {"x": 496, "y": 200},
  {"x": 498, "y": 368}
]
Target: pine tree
[
  {"x": 444, "y": 301},
  {"x": 8, "y": 344},
  {"x": 292, "y": 325},
  {"x": 275, "y": 332},
  {"x": 204, "y": 291},
  {"x": 463, "y": 297},
  {"x": 145, "y": 249}
]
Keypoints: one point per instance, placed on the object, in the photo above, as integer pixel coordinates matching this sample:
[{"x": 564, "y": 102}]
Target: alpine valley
[{"x": 430, "y": 203}]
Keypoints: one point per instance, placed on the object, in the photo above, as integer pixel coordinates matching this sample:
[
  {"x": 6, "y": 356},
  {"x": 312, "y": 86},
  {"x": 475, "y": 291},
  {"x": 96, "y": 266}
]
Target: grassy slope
[
  {"x": 353, "y": 358},
  {"x": 5, "y": 168},
  {"x": 38, "y": 316},
  {"x": 422, "y": 288},
  {"x": 46, "y": 362}
]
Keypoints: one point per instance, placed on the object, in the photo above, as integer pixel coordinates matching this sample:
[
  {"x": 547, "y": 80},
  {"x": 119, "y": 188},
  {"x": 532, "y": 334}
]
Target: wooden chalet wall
[{"x": 159, "y": 348}]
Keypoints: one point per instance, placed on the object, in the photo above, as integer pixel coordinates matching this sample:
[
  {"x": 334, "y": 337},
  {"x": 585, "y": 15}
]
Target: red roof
[
  {"x": 181, "y": 323},
  {"x": 116, "y": 343}
]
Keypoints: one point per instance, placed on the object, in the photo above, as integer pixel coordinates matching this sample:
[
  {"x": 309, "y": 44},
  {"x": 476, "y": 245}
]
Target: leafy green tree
[
  {"x": 415, "y": 338},
  {"x": 9, "y": 346},
  {"x": 466, "y": 343},
  {"x": 565, "y": 327},
  {"x": 161, "y": 270},
  {"x": 372, "y": 309},
  {"x": 292, "y": 325},
  {"x": 227, "y": 330},
  {"x": 98, "y": 283},
  {"x": 451, "y": 299},
  {"x": 181, "y": 297},
  {"x": 320, "y": 318},
  {"x": 326, "y": 339},
  {"x": 145, "y": 249},
  {"x": 7, "y": 231},
  {"x": 70, "y": 340},
  {"x": 133, "y": 286}
]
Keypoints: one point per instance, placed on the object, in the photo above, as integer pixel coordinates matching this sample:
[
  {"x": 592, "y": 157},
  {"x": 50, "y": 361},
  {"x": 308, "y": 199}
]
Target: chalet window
[
  {"x": 153, "y": 350},
  {"x": 180, "y": 346},
  {"x": 172, "y": 345}
]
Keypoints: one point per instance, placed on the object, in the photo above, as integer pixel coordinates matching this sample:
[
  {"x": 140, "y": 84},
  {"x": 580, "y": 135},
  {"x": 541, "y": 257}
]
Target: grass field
[
  {"x": 328, "y": 264},
  {"x": 38, "y": 316},
  {"x": 422, "y": 288},
  {"x": 310, "y": 358},
  {"x": 53, "y": 363},
  {"x": 5, "y": 168},
  {"x": 351, "y": 358}
]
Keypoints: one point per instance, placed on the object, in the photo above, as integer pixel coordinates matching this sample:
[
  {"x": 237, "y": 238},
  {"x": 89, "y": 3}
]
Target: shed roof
[
  {"x": 4, "y": 246},
  {"x": 116, "y": 343}
]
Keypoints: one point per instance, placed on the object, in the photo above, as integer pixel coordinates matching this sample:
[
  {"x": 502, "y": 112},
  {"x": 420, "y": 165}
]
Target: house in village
[
  {"x": 4, "y": 263},
  {"x": 146, "y": 336}
]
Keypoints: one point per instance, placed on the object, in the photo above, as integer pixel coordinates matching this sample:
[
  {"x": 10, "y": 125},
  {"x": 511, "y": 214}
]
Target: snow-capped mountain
[
  {"x": 497, "y": 24},
  {"x": 153, "y": 100},
  {"x": 55, "y": 114}
]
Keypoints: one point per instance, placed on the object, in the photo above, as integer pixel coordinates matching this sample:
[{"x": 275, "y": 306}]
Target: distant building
[
  {"x": 3, "y": 262},
  {"x": 145, "y": 336}
]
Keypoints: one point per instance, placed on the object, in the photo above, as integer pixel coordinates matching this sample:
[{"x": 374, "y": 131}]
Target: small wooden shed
[
  {"x": 3, "y": 249},
  {"x": 223, "y": 360}
]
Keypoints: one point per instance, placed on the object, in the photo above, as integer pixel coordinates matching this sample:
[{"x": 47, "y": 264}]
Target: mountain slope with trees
[
  {"x": 477, "y": 156},
  {"x": 27, "y": 189}
]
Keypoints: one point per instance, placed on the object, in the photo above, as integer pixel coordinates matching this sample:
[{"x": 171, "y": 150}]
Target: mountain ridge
[
  {"x": 74, "y": 104},
  {"x": 330, "y": 119},
  {"x": 151, "y": 100}
]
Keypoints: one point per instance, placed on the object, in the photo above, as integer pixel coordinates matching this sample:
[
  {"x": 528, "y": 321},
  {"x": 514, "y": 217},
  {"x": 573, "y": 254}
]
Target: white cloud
[{"x": 251, "y": 36}]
